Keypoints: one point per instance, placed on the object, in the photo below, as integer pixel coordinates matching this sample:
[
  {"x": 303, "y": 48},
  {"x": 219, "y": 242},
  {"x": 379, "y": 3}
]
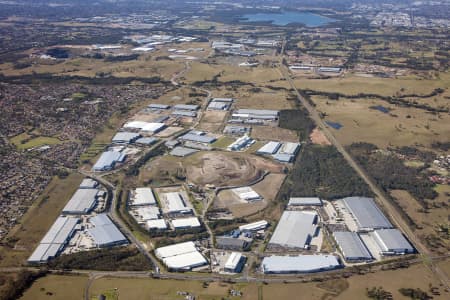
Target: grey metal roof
[
  {"x": 299, "y": 264},
  {"x": 258, "y": 112},
  {"x": 366, "y": 213},
  {"x": 82, "y": 202},
  {"x": 198, "y": 138},
  {"x": 186, "y": 107},
  {"x": 351, "y": 245},
  {"x": 107, "y": 160},
  {"x": 184, "y": 113},
  {"x": 289, "y": 148},
  {"x": 182, "y": 151},
  {"x": 269, "y": 148},
  {"x": 283, "y": 157},
  {"x": 305, "y": 201},
  {"x": 219, "y": 105},
  {"x": 230, "y": 242},
  {"x": 146, "y": 140},
  {"x": 295, "y": 229},
  {"x": 88, "y": 183},
  {"x": 392, "y": 240},
  {"x": 159, "y": 106},
  {"x": 160, "y": 119},
  {"x": 222, "y": 100},
  {"x": 105, "y": 232},
  {"x": 125, "y": 137}
]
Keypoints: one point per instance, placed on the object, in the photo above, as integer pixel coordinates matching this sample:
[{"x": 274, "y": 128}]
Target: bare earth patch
[
  {"x": 269, "y": 133},
  {"x": 317, "y": 137}
]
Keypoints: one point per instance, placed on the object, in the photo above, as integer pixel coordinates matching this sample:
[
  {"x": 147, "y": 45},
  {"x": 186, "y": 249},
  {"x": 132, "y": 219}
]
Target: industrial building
[
  {"x": 283, "y": 158},
  {"x": 82, "y": 202},
  {"x": 153, "y": 127},
  {"x": 232, "y": 243},
  {"x": 235, "y": 263},
  {"x": 158, "y": 106},
  {"x": 191, "y": 107},
  {"x": 255, "y": 226},
  {"x": 88, "y": 183},
  {"x": 220, "y": 103},
  {"x": 108, "y": 160},
  {"x": 125, "y": 137},
  {"x": 184, "y": 113},
  {"x": 159, "y": 224},
  {"x": 299, "y": 264},
  {"x": 54, "y": 240},
  {"x": 182, "y": 223},
  {"x": 294, "y": 230},
  {"x": 198, "y": 138},
  {"x": 352, "y": 247},
  {"x": 329, "y": 70},
  {"x": 392, "y": 242},
  {"x": 172, "y": 143},
  {"x": 182, "y": 151},
  {"x": 142, "y": 196},
  {"x": 367, "y": 215},
  {"x": 304, "y": 201},
  {"x": 246, "y": 193},
  {"x": 181, "y": 257},
  {"x": 241, "y": 143},
  {"x": 236, "y": 130},
  {"x": 135, "y": 124},
  {"x": 146, "y": 141},
  {"x": 269, "y": 148},
  {"x": 251, "y": 114},
  {"x": 105, "y": 233},
  {"x": 175, "y": 204},
  {"x": 143, "y": 214}
]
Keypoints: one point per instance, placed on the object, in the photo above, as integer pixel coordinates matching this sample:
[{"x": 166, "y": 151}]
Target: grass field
[
  {"x": 38, "y": 219},
  {"x": 57, "y": 287},
  {"x": 25, "y": 141}
]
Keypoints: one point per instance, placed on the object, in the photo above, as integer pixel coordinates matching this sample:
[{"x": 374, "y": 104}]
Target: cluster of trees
[
  {"x": 298, "y": 120},
  {"x": 115, "y": 259},
  {"x": 323, "y": 172},
  {"x": 415, "y": 293},
  {"x": 12, "y": 288},
  {"x": 391, "y": 173},
  {"x": 378, "y": 293}
]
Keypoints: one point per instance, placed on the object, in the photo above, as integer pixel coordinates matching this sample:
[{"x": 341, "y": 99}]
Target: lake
[{"x": 286, "y": 17}]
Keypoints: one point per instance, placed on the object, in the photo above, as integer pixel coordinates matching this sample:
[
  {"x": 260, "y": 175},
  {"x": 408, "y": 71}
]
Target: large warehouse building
[
  {"x": 175, "y": 204},
  {"x": 392, "y": 242},
  {"x": 142, "y": 196},
  {"x": 295, "y": 230},
  {"x": 304, "y": 201},
  {"x": 352, "y": 247},
  {"x": 105, "y": 233},
  {"x": 255, "y": 226},
  {"x": 246, "y": 193},
  {"x": 299, "y": 264},
  {"x": 82, "y": 202},
  {"x": 367, "y": 215},
  {"x": 235, "y": 263},
  {"x": 108, "y": 160},
  {"x": 54, "y": 240},
  {"x": 181, "y": 257}
]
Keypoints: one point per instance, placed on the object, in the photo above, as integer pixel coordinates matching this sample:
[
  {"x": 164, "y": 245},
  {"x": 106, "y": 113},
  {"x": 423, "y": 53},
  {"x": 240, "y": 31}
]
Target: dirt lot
[
  {"x": 169, "y": 131},
  {"x": 212, "y": 120},
  {"x": 273, "y": 133},
  {"x": 317, "y": 137},
  {"x": 226, "y": 168}
]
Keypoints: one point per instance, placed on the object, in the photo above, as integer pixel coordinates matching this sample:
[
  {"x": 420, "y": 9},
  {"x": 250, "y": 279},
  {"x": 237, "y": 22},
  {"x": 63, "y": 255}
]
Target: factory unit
[
  {"x": 54, "y": 240},
  {"x": 135, "y": 125},
  {"x": 159, "y": 224},
  {"x": 255, "y": 226},
  {"x": 175, "y": 204},
  {"x": 352, "y": 247},
  {"x": 329, "y": 70},
  {"x": 108, "y": 160},
  {"x": 182, "y": 151},
  {"x": 123, "y": 137},
  {"x": 220, "y": 104},
  {"x": 88, "y": 183},
  {"x": 235, "y": 263},
  {"x": 198, "y": 137},
  {"x": 236, "y": 130},
  {"x": 392, "y": 242},
  {"x": 184, "y": 113},
  {"x": 82, "y": 202},
  {"x": 181, "y": 257},
  {"x": 246, "y": 193},
  {"x": 287, "y": 152},
  {"x": 304, "y": 201},
  {"x": 190, "y": 107},
  {"x": 241, "y": 143},
  {"x": 252, "y": 114},
  {"x": 233, "y": 243},
  {"x": 153, "y": 128},
  {"x": 142, "y": 214},
  {"x": 147, "y": 141},
  {"x": 184, "y": 223},
  {"x": 295, "y": 230},
  {"x": 367, "y": 215},
  {"x": 105, "y": 233},
  {"x": 299, "y": 264},
  {"x": 142, "y": 196},
  {"x": 158, "y": 106},
  {"x": 269, "y": 148}
]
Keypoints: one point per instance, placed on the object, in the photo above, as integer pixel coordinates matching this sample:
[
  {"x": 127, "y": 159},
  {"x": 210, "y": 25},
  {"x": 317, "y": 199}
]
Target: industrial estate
[{"x": 224, "y": 150}]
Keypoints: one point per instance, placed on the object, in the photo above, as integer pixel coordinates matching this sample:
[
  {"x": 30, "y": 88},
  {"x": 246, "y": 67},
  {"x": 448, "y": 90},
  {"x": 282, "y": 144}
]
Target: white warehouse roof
[
  {"x": 125, "y": 137},
  {"x": 305, "y": 201},
  {"x": 269, "y": 148},
  {"x": 107, "y": 160},
  {"x": 299, "y": 264},
  {"x": 82, "y": 202},
  {"x": 255, "y": 226},
  {"x": 351, "y": 245},
  {"x": 186, "y": 223},
  {"x": 246, "y": 193},
  {"x": 156, "y": 224},
  {"x": 295, "y": 229},
  {"x": 146, "y": 213},
  {"x": 153, "y": 127},
  {"x": 143, "y": 196},
  {"x": 289, "y": 148},
  {"x": 175, "y": 203},
  {"x": 233, "y": 261},
  {"x": 367, "y": 214},
  {"x": 392, "y": 241},
  {"x": 185, "y": 261},
  {"x": 135, "y": 124},
  {"x": 105, "y": 233},
  {"x": 88, "y": 183},
  {"x": 176, "y": 249}
]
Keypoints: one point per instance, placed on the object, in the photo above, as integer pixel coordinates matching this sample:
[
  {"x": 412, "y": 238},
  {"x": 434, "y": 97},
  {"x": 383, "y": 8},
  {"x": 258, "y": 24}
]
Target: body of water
[{"x": 287, "y": 17}]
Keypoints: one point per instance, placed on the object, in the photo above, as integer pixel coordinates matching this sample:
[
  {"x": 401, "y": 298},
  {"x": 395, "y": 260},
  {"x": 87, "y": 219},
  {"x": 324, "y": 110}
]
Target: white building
[
  {"x": 142, "y": 196},
  {"x": 186, "y": 223},
  {"x": 181, "y": 257},
  {"x": 234, "y": 263}
]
